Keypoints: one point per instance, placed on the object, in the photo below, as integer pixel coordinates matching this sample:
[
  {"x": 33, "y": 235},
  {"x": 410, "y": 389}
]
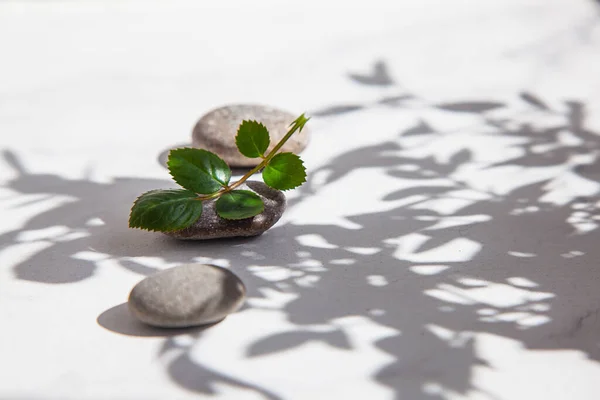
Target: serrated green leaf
[
  {"x": 165, "y": 210},
  {"x": 252, "y": 139},
  {"x": 198, "y": 170},
  {"x": 239, "y": 204},
  {"x": 285, "y": 171}
]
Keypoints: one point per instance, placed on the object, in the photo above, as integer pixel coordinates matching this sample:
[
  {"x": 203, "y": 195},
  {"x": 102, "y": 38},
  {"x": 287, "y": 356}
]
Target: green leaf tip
[
  {"x": 252, "y": 139},
  {"x": 198, "y": 170},
  {"x": 285, "y": 171},
  {"x": 165, "y": 210},
  {"x": 299, "y": 122},
  {"x": 239, "y": 204}
]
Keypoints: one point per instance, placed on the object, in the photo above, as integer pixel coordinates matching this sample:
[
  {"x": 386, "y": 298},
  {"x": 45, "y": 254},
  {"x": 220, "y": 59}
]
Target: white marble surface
[{"x": 458, "y": 260}]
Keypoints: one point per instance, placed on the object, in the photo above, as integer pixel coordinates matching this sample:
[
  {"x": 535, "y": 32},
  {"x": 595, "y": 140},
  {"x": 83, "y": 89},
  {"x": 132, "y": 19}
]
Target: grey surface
[
  {"x": 211, "y": 226},
  {"x": 188, "y": 295},
  {"x": 216, "y": 131}
]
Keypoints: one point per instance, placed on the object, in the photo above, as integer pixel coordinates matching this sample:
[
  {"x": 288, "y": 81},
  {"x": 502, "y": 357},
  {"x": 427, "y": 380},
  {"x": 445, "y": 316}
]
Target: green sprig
[{"x": 205, "y": 177}]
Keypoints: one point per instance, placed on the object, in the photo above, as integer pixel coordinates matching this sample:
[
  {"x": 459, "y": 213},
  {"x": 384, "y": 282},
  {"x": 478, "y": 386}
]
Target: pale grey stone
[
  {"x": 217, "y": 129},
  {"x": 188, "y": 295},
  {"x": 211, "y": 226}
]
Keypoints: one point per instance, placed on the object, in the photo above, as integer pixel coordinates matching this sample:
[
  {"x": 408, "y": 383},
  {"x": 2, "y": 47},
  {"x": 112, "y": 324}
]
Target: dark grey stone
[
  {"x": 211, "y": 226},
  {"x": 188, "y": 295},
  {"x": 216, "y": 131}
]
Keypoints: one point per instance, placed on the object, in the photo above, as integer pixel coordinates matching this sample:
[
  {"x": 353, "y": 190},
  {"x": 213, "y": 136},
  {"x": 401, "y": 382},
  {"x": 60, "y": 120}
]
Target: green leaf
[
  {"x": 284, "y": 171},
  {"x": 252, "y": 139},
  {"x": 198, "y": 170},
  {"x": 165, "y": 210},
  {"x": 239, "y": 204}
]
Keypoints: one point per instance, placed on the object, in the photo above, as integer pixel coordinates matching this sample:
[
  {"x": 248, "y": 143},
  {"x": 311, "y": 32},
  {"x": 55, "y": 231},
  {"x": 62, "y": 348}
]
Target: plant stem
[{"x": 260, "y": 166}]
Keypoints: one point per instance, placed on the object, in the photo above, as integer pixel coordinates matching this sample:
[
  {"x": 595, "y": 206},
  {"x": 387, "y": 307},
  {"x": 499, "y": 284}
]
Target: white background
[{"x": 457, "y": 263}]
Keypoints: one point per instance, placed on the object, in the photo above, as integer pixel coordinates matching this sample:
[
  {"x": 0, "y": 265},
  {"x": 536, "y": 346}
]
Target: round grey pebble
[
  {"x": 188, "y": 295},
  {"x": 217, "y": 129},
  {"x": 211, "y": 226}
]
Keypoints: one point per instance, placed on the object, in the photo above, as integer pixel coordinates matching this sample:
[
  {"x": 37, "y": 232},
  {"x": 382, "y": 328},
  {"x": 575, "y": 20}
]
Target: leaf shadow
[{"x": 433, "y": 314}]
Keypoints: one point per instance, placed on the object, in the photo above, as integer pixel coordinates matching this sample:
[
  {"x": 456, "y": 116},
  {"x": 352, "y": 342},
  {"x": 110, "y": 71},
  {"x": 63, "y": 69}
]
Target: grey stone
[
  {"x": 216, "y": 131},
  {"x": 188, "y": 295},
  {"x": 211, "y": 226}
]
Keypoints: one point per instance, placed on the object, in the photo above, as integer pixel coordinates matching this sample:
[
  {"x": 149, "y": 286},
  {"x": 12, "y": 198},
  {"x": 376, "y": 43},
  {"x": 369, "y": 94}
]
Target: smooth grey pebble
[
  {"x": 217, "y": 129},
  {"x": 187, "y": 295},
  {"x": 211, "y": 226}
]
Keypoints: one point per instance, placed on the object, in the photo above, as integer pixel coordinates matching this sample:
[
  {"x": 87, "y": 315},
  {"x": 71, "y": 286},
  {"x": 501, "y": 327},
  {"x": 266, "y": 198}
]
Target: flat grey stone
[
  {"x": 188, "y": 295},
  {"x": 216, "y": 131},
  {"x": 211, "y": 226}
]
